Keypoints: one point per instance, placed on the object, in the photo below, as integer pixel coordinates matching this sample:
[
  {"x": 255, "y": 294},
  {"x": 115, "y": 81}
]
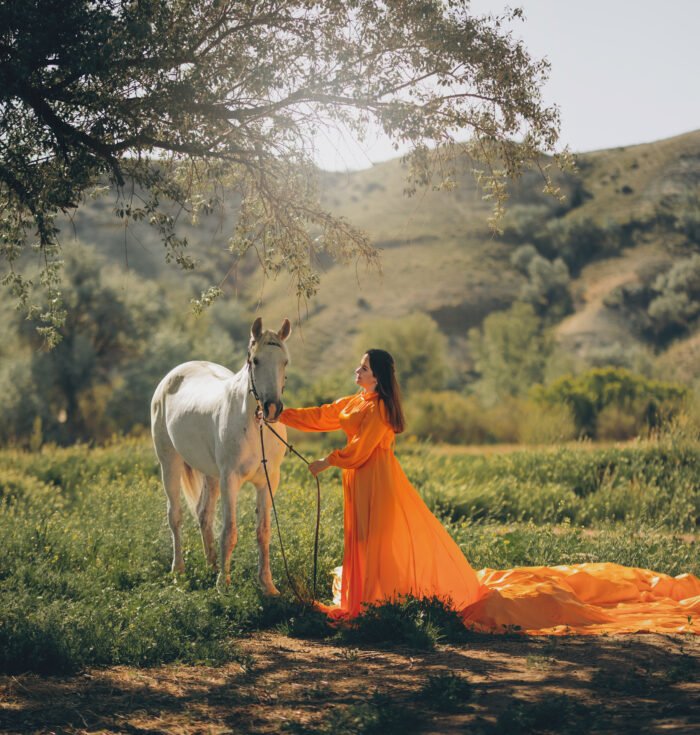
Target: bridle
[{"x": 252, "y": 389}]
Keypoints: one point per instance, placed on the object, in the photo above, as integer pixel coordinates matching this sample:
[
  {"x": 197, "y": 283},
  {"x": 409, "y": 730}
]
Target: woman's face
[{"x": 364, "y": 376}]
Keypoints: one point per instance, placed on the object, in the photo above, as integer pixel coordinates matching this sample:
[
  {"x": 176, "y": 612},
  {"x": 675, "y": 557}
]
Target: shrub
[
  {"x": 502, "y": 420},
  {"x": 589, "y": 393},
  {"x": 546, "y": 424},
  {"x": 677, "y": 305},
  {"x": 447, "y": 416},
  {"x": 418, "y": 623},
  {"x": 446, "y": 692},
  {"x": 547, "y": 289},
  {"x": 616, "y": 422},
  {"x": 524, "y": 223},
  {"x": 522, "y": 257},
  {"x": 378, "y": 715},
  {"x": 665, "y": 304},
  {"x": 580, "y": 241}
]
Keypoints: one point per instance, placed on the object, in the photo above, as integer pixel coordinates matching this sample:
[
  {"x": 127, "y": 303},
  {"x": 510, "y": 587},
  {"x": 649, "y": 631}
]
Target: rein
[{"x": 254, "y": 391}]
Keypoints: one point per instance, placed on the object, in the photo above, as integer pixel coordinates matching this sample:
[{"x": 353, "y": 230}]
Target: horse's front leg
[
  {"x": 263, "y": 529},
  {"x": 230, "y": 485}
]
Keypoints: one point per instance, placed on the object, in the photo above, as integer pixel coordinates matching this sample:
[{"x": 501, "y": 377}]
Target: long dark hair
[{"x": 382, "y": 365}]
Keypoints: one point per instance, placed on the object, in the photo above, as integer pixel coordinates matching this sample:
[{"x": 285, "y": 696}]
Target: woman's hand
[
  {"x": 318, "y": 466},
  {"x": 258, "y": 417}
]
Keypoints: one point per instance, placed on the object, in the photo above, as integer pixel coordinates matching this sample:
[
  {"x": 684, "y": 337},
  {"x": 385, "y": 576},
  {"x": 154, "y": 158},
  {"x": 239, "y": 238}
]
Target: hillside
[{"x": 439, "y": 256}]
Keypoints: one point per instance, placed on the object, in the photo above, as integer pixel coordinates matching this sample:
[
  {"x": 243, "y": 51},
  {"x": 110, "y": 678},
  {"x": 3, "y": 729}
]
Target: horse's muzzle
[{"x": 272, "y": 410}]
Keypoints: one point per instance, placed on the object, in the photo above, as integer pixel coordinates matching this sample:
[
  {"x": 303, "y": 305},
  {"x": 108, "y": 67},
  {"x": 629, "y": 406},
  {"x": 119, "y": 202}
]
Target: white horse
[{"x": 207, "y": 440}]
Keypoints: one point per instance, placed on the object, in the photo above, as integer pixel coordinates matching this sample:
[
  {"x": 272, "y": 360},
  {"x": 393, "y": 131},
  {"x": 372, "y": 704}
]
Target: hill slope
[{"x": 439, "y": 256}]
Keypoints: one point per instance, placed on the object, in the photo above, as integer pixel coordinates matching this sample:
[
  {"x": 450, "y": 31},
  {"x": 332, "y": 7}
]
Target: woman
[{"x": 395, "y": 546}]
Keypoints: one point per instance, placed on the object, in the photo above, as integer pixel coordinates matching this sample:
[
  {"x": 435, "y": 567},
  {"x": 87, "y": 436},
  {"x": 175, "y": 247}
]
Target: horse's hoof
[
  {"x": 269, "y": 590},
  {"x": 223, "y": 581}
]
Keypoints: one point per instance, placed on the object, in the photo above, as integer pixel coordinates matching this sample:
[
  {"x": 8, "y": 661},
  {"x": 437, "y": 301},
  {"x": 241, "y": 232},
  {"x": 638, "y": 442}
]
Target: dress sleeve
[
  {"x": 320, "y": 418},
  {"x": 359, "y": 449}
]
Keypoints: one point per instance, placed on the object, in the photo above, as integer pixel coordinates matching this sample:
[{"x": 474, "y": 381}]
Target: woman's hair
[{"x": 382, "y": 365}]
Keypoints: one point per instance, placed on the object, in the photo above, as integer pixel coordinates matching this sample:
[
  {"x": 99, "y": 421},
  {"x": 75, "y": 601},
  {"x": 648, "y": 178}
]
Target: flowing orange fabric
[{"x": 395, "y": 546}]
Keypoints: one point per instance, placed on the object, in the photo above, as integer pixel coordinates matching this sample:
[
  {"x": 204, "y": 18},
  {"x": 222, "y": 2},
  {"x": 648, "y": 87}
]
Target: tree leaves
[{"x": 175, "y": 102}]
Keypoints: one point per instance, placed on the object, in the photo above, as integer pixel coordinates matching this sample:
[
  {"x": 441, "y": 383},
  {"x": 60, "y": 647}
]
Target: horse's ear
[
  {"x": 256, "y": 329},
  {"x": 285, "y": 330}
]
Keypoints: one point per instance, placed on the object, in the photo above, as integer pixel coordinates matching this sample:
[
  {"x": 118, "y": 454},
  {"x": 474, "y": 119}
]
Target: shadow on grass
[{"x": 283, "y": 684}]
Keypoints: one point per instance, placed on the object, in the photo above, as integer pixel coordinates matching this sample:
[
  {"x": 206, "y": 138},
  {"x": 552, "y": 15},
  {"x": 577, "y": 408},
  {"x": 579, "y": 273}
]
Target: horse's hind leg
[
  {"x": 172, "y": 466},
  {"x": 263, "y": 531},
  {"x": 206, "y": 510},
  {"x": 230, "y": 485}
]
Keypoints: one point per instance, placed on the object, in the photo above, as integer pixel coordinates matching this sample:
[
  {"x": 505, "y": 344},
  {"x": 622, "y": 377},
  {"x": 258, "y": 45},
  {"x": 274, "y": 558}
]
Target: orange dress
[{"x": 395, "y": 546}]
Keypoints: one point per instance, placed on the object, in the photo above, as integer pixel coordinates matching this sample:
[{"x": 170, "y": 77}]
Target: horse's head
[{"x": 267, "y": 361}]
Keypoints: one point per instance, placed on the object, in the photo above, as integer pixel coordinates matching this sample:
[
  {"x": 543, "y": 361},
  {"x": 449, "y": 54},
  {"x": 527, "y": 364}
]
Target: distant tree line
[{"x": 122, "y": 333}]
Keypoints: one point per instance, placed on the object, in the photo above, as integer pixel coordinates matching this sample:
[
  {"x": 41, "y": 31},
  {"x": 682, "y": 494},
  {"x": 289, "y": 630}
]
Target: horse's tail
[{"x": 192, "y": 482}]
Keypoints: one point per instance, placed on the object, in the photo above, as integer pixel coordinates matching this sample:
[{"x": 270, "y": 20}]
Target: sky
[{"x": 623, "y": 72}]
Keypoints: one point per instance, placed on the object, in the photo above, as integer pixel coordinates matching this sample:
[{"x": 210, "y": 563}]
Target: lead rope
[{"x": 272, "y": 497}]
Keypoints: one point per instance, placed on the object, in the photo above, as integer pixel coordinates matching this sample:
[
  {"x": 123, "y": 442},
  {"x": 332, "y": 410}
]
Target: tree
[
  {"x": 180, "y": 103},
  {"x": 104, "y": 328},
  {"x": 416, "y": 344},
  {"x": 120, "y": 337},
  {"x": 547, "y": 288},
  {"x": 510, "y": 352},
  {"x": 677, "y": 305}
]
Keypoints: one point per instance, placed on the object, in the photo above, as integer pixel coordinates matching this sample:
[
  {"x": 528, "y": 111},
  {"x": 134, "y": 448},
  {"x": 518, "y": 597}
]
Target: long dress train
[{"x": 395, "y": 546}]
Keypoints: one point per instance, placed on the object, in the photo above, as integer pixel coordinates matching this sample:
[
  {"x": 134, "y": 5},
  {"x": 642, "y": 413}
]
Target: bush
[
  {"x": 453, "y": 418},
  {"x": 589, "y": 393},
  {"x": 502, "y": 420},
  {"x": 446, "y": 692},
  {"x": 677, "y": 306},
  {"x": 418, "y": 623},
  {"x": 522, "y": 257},
  {"x": 616, "y": 422},
  {"x": 576, "y": 241},
  {"x": 546, "y": 424},
  {"x": 19, "y": 400},
  {"x": 547, "y": 289},
  {"x": 447, "y": 416},
  {"x": 524, "y": 224},
  {"x": 682, "y": 213},
  {"x": 580, "y": 241},
  {"x": 665, "y": 305}
]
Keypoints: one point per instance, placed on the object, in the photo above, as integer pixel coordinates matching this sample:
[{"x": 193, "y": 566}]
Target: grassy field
[{"x": 84, "y": 572}]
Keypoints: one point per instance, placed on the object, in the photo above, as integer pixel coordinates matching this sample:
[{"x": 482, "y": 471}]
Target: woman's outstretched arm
[{"x": 318, "y": 418}]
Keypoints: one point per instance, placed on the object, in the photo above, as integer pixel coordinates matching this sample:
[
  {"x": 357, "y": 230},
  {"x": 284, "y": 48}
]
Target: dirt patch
[
  {"x": 592, "y": 321},
  {"x": 623, "y": 684}
]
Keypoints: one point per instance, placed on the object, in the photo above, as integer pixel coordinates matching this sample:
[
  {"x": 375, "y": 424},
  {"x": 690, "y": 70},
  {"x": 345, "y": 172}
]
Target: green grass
[
  {"x": 653, "y": 485},
  {"x": 86, "y": 551},
  {"x": 446, "y": 692}
]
